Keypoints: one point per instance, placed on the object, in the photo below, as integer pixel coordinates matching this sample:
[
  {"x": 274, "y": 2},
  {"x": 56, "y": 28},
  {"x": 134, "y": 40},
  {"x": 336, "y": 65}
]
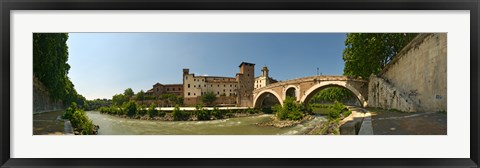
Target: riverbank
[
  {"x": 168, "y": 116},
  {"x": 114, "y": 125},
  {"x": 277, "y": 123}
]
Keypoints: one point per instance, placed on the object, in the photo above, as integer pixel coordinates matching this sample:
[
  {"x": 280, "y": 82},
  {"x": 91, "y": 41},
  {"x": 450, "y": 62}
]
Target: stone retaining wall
[
  {"x": 416, "y": 80},
  {"x": 41, "y": 100}
]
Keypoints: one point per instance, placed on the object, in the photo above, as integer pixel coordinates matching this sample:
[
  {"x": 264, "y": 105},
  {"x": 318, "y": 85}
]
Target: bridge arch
[
  {"x": 258, "y": 99},
  {"x": 288, "y": 91},
  {"x": 319, "y": 86}
]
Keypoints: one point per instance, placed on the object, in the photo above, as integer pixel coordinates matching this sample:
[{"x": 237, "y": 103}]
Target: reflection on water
[{"x": 112, "y": 125}]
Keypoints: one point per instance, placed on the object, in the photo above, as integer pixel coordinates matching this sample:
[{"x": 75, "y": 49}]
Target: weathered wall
[
  {"x": 383, "y": 94},
  {"x": 41, "y": 100},
  {"x": 220, "y": 101},
  {"x": 419, "y": 72}
]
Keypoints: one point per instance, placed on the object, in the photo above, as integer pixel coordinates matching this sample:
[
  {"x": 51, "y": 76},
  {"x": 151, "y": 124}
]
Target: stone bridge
[{"x": 303, "y": 89}]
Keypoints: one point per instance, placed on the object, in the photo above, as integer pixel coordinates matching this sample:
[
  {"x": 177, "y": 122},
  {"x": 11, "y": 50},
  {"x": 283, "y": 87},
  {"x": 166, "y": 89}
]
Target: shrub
[
  {"x": 152, "y": 112},
  {"x": 142, "y": 110},
  {"x": 179, "y": 114},
  {"x": 201, "y": 113},
  {"x": 216, "y": 113},
  {"x": 79, "y": 120},
  {"x": 291, "y": 110},
  {"x": 131, "y": 108}
]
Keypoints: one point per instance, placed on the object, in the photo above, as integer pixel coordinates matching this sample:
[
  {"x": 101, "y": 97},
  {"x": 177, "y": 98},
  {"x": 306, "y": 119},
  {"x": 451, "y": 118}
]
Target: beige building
[
  {"x": 159, "y": 89},
  {"x": 264, "y": 79},
  {"x": 229, "y": 91}
]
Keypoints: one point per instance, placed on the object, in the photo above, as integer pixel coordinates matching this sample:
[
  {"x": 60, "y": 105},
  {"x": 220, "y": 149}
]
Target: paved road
[
  {"x": 401, "y": 123},
  {"x": 48, "y": 123}
]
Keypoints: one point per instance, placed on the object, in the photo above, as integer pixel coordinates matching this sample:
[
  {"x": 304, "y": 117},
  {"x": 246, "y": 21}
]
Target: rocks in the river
[{"x": 284, "y": 123}]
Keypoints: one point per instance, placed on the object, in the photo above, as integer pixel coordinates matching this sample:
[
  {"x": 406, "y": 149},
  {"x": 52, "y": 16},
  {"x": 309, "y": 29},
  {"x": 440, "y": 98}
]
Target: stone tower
[
  {"x": 265, "y": 71},
  {"x": 245, "y": 81}
]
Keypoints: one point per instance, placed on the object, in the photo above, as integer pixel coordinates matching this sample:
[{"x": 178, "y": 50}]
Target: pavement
[
  {"x": 50, "y": 123},
  {"x": 389, "y": 122}
]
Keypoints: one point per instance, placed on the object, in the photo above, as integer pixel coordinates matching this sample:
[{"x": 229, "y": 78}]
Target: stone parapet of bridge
[{"x": 304, "y": 88}]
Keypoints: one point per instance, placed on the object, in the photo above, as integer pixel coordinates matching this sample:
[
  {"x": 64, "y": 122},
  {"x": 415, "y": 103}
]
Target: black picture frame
[{"x": 8, "y": 5}]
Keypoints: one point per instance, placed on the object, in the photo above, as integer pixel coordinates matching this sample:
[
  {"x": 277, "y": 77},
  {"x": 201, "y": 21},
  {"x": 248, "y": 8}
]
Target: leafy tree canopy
[
  {"x": 50, "y": 67},
  {"x": 368, "y": 53},
  {"x": 208, "y": 98}
]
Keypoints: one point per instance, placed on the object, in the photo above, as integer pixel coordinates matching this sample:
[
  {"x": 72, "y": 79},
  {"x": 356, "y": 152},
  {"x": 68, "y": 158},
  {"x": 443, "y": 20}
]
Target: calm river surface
[{"x": 113, "y": 125}]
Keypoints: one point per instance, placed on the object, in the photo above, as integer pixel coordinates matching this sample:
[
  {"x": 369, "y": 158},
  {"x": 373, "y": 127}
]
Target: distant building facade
[
  {"x": 264, "y": 79},
  {"x": 159, "y": 89},
  {"x": 229, "y": 91}
]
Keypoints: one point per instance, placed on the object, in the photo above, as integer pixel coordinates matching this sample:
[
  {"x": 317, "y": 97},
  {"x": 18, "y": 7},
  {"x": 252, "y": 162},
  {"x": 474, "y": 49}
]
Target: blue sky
[{"x": 104, "y": 64}]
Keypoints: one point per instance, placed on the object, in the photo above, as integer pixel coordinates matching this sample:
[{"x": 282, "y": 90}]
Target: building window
[
  {"x": 186, "y": 77},
  {"x": 230, "y": 90},
  {"x": 189, "y": 86},
  {"x": 211, "y": 85},
  {"x": 235, "y": 85},
  {"x": 224, "y": 85},
  {"x": 194, "y": 94},
  {"x": 203, "y": 80},
  {"x": 218, "y": 85},
  {"x": 194, "y": 80},
  {"x": 218, "y": 93},
  {"x": 157, "y": 89},
  {"x": 189, "y": 93},
  {"x": 223, "y": 90},
  {"x": 194, "y": 86},
  {"x": 204, "y": 85},
  {"x": 168, "y": 89},
  {"x": 230, "y": 85}
]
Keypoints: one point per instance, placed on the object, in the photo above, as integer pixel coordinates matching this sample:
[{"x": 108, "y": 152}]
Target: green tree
[
  {"x": 332, "y": 94},
  {"x": 208, "y": 98},
  {"x": 131, "y": 108},
  {"x": 129, "y": 93},
  {"x": 50, "y": 67},
  {"x": 50, "y": 56},
  {"x": 119, "y": 99},
  {"x": 368, "y": 53},
  {"x": 140, "y": 96}
]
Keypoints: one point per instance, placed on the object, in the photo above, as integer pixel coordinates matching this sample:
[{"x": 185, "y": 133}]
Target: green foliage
[
  {"x": 79, "y": 120},
  {"x": 152, "y": 112},
  {"x": 332, "y": 94},
  {"x": 291, "y": 110},
  {"x": 216, "y": 113},
  {"x": 50, "y": 56},
  {"x": 201, "y": 113},
  {"x": 171, "y": 99},
  {"x": 98, "y": 103},
  {"x": 179, "y": 114},
  {"x": 142, "y": 110},
  {"x": 119, "y": 99},
  {"x": 128, "y": 93},
  {"x": 368, "y": 53},
  {"x": 131, "y": 108},
  {"x": 140, "y": 96},
  {"x": 208, "y": 98},
  {"x": 50, "y": 67}
]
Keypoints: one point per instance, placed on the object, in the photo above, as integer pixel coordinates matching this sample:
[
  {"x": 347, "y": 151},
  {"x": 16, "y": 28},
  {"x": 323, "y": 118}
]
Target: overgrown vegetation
[
  {"x": 133, "y": 110},
  {"x": 79, "y": 120},
  {"x": 50, "y": 67},
  {"x": 332, "y": 111},
  {"x": 332, "y": 94},
  {"x": 368, "y": 53},
  {"x": 291, "y": 110},
  {"x": 208, "y": 98}
]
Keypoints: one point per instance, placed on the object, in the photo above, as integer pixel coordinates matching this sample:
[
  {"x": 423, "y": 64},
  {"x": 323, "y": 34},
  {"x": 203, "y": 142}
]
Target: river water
[{"x": 113, "y": 125}]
